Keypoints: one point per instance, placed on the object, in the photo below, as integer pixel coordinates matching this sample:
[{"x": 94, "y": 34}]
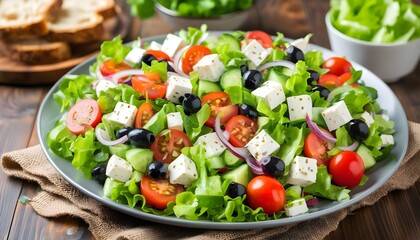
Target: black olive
[
  {"x": 273, "y": 166},
  {"x": 141, "y": 138},
  {"x": 243, "y": 68},
  {"x": 248, "y": 111},
  {"x": 191, "y": 103},
  {"x": 169, "y": 68},
  {"x": 358, "y": 129},
  {"x": 147, "y": 59},
  {"x": 314, "y": 76},
  {"x": 252, "y": 79},
  {"x": 235, "y": 190},
  {"x": 157, "y": 170},
  {"x": 294, "y": 54},
  {"x": 123, "y": 131},
  {"x": 98, "y": 172},
  {"x": 323, "y": 91}
]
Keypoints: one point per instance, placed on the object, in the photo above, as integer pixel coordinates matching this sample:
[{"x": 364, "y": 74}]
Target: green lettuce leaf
[
  {"x": 324, "y": 188},
  {"x": 72, "y": 88}
]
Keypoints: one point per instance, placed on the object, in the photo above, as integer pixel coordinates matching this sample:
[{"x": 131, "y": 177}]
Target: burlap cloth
[{"x": 59, "y": 198}]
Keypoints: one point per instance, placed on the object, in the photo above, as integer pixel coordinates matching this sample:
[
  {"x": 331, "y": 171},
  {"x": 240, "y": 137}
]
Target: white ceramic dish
[
  {"x": 50, "y": 112},
  {"x": 390, "y": 62}
]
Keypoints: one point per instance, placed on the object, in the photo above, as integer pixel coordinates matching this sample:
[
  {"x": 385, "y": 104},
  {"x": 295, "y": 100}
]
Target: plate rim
[{"x": 207, "y": 224}]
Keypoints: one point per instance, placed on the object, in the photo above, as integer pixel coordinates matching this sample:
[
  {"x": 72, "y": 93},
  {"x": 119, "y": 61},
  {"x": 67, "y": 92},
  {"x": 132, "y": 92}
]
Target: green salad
[
  {"x": 235, "y": 127},
  {"x": 189, "y": 8},
  {"x": 378, "y": 21}
]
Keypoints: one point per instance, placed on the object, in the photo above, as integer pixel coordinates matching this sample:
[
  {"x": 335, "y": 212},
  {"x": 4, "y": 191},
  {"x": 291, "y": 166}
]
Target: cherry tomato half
[
  {"x": 192, "y": 56},
  {"x": 83, "y": 115},
  {"x": 158, "y": 193},
  {"x": 347, "y": 169},
  {"x": 266, "y": 192},
  {"x": 221, "y": 105},
  {"x": 110, "y": 67},
  {"x": 262, "y": 37},
  {"x": 317, "y": 148},
  {"x": 337, "y": 65},
  {"x": 144, "y": 114},
  {"x": 168, "y": 144},
  {"x": 329, "y": 80},
  {"x": 159, "y": 55},
  {"x": 241, "y": 129},
  {"x": 149, "y": 85}
]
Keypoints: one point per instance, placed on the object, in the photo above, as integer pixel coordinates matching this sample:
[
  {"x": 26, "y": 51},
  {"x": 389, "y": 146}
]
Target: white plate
[{"x": 378, "y": 175}]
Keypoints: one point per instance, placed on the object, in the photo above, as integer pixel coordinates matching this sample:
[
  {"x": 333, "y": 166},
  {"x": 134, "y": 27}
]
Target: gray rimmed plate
[{"x": 50, "y": 112}]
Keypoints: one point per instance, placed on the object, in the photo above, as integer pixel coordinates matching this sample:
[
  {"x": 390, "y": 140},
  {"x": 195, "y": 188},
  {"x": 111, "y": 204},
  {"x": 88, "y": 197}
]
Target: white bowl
[
  {"x": 227, "y": 22},
  {"x": 390, "y": 62}
]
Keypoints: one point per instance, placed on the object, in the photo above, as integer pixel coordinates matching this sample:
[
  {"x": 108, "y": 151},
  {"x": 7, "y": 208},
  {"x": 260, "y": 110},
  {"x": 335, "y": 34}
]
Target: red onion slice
[
  {"x": 332, "y": 93},
  {"x": 352, "y": 147},
  {"x": 281, "y": 63},
  {"x": 177, "y": 60},
  {"x": 241, "y": 153},
  {"x": 125, "y": 74},
  {"x": 311, "y": 202},
  {"x": 103, "y": 138},
  {"x": 318, "y": 132},
  {"x": 254, "y": 166}
]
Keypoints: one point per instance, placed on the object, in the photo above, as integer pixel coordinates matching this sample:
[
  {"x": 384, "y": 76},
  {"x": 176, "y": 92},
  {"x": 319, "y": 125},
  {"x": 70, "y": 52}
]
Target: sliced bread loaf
[
  {"x": 106, "y": 8},
  {"x": 36, "y": 51},
  {"x": 21, "y": 18},
  {"x": 75, "y": 25}
]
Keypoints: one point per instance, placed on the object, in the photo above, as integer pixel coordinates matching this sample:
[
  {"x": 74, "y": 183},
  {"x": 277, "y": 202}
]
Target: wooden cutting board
[{"x": 17, "y": 73}]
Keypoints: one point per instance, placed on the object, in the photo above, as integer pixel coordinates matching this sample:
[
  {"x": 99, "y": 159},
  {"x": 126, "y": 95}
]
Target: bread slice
[
  {"x": 76, "y": 26},
  {"x": 36, "y": 51},
  {"x": 22, "y": 18},
  {"x": 106, "y": 8}
]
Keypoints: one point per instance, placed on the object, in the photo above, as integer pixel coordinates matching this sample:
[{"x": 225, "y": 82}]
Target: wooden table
[{"x": 395, "y": 216}]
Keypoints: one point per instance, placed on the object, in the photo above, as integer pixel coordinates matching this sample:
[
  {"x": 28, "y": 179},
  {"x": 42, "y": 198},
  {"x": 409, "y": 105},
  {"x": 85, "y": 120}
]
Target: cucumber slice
[
  {"x": 205, "y": 87},
  {"x": 230, "y": 159},
  {"x": 109, "y": 185},
  {"x": 140, "y": 158},
  {"x": 365, "y": 153},
  {"x": 241, "y": 175},
  {"x": 230, "y": 78},
  {"x": 120, "y": 150},
  {"x": 233, "y": 42},
  {"x": 215, "y": 162},
  {"x": 279, "y": 77}
]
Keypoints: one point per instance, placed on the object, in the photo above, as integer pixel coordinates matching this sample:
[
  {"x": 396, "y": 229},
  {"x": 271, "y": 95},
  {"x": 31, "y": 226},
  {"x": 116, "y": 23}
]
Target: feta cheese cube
[
  {"x": 123, "y": 114},
  {"x": 368, "y": 118},
  {"x": 134, "y": 56},
  {"x": 182, "y": 171},
  {"x": 177, "y": 87},
  {"x": 271, "y": 93},
  {"x": 209, "y": 68},
  {"x": 255, "y": 52},
  {"x": 387, "y": 140},
  {"x": 175, "y": 121},
  {"x": 336, "y": 116},
  {"x": 295, "y": 207},
  {"x": 103, "y": 86},
  {"x": 299, "y": 106},
  {"x": 118, "y": 169},
  {"x": 172, "y": 44},
  {"x": 212, "y": 144},
  {"x": 155, "y": 45},
  {"x": 302, "y": 171},
  {"x": 262, "y": 145}
]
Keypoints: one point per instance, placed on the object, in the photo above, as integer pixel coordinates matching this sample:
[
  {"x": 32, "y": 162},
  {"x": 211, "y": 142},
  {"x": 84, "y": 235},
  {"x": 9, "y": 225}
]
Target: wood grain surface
[{"x": 395, "y": 216}]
